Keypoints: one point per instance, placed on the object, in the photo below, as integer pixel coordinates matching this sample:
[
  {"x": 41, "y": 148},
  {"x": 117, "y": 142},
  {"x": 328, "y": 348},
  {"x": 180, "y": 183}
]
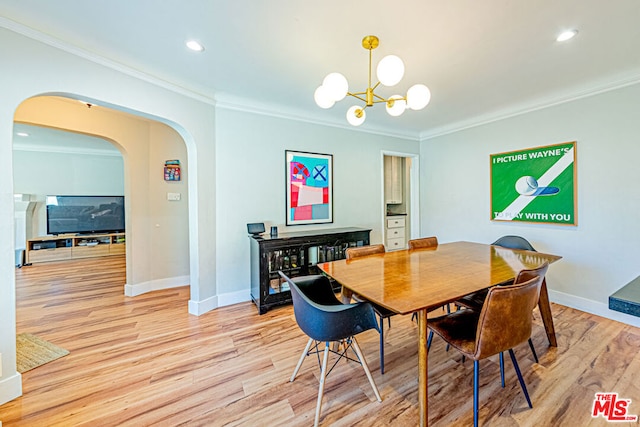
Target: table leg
[
  {"x": 545, "y": 312},
  {"x": 423, "y": 372},
  {"x": 345, "y": 295}
]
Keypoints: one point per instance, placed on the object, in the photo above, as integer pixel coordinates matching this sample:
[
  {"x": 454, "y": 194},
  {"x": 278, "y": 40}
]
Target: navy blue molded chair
[
  {"x": 323, "y": 318},
  {"x": 484, "y": 333}
]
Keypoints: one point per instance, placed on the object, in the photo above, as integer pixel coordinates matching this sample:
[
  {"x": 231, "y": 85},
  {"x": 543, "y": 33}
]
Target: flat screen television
[{"x": 85, "y": 214}]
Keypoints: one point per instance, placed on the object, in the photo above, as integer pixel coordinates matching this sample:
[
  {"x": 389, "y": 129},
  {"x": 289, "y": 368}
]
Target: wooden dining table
[{"x": 417, "y": 281}]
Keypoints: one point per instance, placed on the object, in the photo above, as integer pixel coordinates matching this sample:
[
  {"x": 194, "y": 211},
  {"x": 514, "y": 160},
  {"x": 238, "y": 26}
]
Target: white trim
[
  {"x": 200, "y": 307},
  {"x": 529, "y": 107},
  {"x": 593, "y": 307},
  {"x": 10, "y": 388},
  {"x": 234, "y": 297},
  {"x": 235, "y": 103},
  {"x": 155, "y": 285}
]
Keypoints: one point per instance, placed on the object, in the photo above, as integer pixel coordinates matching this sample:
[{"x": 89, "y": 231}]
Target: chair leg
[
  {"x": 302, "y": 357},
  {"x": 429, "y": 338},
  {"x": 533, "y": 350},
  {"x": 381, "y": 345},
  {"x": 502, "y": 368},
  {"x": 323, "y": 374},
  {"x": 522, "y": 384},
  {"x": 476, "y": 384},
  {"x": 356, "y": 347}
]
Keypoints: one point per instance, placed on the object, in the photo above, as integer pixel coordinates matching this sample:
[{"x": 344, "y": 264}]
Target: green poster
[{"x": 535, "y": 185}]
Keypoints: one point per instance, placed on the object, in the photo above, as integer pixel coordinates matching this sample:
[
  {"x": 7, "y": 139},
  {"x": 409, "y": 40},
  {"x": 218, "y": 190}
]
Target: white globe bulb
[
  {"x": 398, "y": 107},
  {"x": 336, "y": 86},
  {"x": 418, "y": 96},
  {"x": 322, "y": 98},
  {"x": 390, "y": 70},
  {"x": 353, "y": 113}
]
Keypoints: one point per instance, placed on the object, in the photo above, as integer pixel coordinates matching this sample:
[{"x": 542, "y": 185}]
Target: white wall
[
  {"x": 601, "y": 254},
  {"x": 192, "y": 117},
  {"x": 251, "y": 183}
]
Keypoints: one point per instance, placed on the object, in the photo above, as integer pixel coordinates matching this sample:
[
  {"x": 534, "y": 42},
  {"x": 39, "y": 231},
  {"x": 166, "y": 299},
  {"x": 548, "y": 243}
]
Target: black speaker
[{"x": 255, "y": 228}]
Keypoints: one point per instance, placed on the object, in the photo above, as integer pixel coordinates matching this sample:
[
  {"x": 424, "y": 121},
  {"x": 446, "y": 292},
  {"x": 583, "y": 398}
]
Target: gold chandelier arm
[
  {"x": 356, "y": 95},
  {"x": 381, "y": 99}
]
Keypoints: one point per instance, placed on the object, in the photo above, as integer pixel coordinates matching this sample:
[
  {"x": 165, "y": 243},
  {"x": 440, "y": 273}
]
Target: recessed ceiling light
[
  {"x": 22, "y": 134},
  {"x": 566, "y": 35},
  {"x": 87, "y": 104},
  {"x": 195, "y": 46}
]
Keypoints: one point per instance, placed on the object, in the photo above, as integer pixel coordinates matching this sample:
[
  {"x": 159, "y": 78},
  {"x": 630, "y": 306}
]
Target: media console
[
  {"x": 65, "y": 247},
  {"x": 295, "y": 254}
]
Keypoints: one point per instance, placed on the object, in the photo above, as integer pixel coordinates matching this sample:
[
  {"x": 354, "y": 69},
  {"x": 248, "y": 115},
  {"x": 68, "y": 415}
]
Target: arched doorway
[{"x": 157, "y": 228}]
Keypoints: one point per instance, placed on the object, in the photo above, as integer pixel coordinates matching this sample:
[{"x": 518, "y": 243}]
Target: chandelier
[{"x": 390, "y": 71}]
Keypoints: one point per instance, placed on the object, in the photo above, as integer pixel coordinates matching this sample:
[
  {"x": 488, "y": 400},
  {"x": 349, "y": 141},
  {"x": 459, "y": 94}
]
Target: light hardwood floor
[{"x": 146, "y": 361}]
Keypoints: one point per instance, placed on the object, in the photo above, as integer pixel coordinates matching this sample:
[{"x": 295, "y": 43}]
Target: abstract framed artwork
[
  {"x": 535, "y": 185},
  {"x": 309, "y": 186}
]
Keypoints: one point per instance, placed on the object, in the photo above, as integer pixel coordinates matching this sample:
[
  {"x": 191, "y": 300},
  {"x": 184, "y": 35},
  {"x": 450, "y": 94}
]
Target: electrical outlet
[{"x": 173, "y": 197}]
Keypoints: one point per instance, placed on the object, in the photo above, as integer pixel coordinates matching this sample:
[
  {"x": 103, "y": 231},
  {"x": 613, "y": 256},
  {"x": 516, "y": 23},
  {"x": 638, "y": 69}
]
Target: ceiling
[
  {"x": 482, "y": 60},
  {"x": 27, "y": 137}
]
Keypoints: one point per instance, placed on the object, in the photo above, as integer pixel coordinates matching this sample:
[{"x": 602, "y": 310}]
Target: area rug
[{"x": 32, "y": 352}]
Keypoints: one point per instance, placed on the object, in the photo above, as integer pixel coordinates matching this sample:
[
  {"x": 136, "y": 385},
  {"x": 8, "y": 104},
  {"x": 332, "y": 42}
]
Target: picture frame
[
  {"x": 536, "y": 185},
  {"x": 309, "y": 187}
]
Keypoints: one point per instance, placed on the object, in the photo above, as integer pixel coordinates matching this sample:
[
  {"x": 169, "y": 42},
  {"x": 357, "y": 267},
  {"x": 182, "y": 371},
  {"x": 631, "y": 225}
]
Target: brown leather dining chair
[
  {"x": 381, "y": 312},
  {"x": 475, "y": 300},
  {"x": 504, "y": 321},
  {"x": 423, "y": 243}
]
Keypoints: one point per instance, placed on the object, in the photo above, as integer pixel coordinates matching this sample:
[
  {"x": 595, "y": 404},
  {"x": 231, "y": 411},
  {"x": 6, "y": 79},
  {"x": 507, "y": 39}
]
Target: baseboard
[
  {"x": 10, "y": 388},
  {"x": 200, "y": 307},
  {"x": 155, "y": 285},
  {"x": 234, "y": 297},
  {"x": 593, "y": 307}
]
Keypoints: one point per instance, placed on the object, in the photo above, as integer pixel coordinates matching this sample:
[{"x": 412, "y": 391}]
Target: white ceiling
[{"x": 482, "y": 60}]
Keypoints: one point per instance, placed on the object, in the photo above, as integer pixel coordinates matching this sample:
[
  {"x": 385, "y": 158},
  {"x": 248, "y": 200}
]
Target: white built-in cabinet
[
  {"x": 393, "y": 173},
  {"x": 395, "y": 233}
]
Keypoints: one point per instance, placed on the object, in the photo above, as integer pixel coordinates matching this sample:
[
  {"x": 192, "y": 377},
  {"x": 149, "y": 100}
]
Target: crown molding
[
  {"x": 100, "y": 60},
  {"x": 539, "y": 104},
  {"x": 234, "y": 103}
]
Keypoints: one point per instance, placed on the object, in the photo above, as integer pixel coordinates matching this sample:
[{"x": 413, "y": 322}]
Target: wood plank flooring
[{"x": 145, "y": 361}]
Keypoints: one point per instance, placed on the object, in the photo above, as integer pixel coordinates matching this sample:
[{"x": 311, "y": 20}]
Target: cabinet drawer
[
  {"x": 117, "y": 249},
  {"x": 90, "y": 251},
  {"x": 394, "y": 233},
  {"x": 395, "y": 222},
  {"x": 395, "y": 244},
  {"x": 56, "y": 254}
]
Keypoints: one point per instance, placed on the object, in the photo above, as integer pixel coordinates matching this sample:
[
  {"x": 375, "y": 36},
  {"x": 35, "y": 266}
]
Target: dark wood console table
[{"x": 296, "y": 254}]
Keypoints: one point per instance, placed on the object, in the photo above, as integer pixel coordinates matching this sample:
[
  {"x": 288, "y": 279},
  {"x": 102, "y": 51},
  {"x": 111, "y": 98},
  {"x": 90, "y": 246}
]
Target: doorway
[
  {"x": 400, "y": 198},
  {"x": 157, "y": 228}
]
